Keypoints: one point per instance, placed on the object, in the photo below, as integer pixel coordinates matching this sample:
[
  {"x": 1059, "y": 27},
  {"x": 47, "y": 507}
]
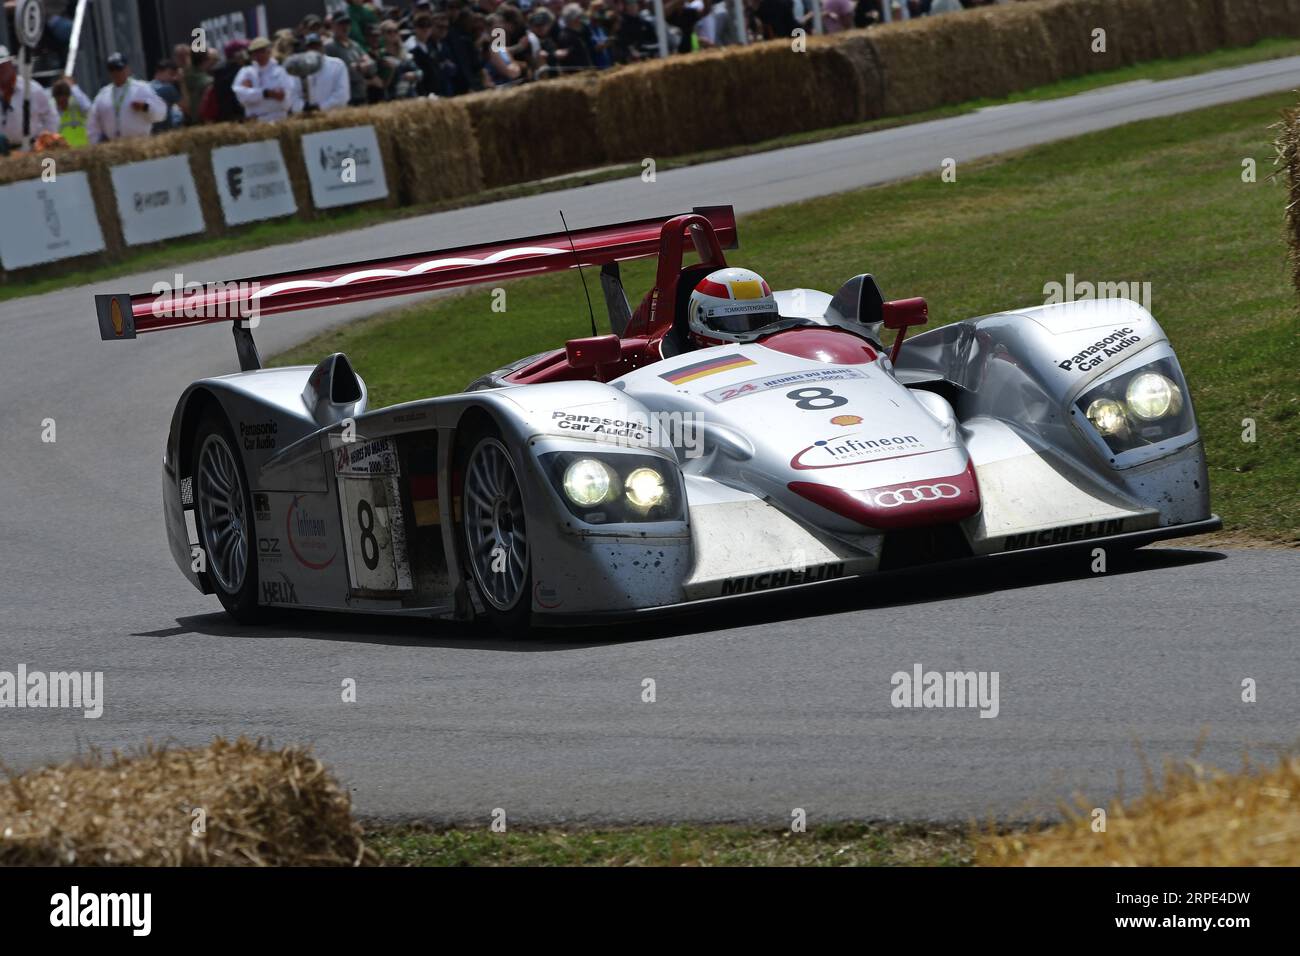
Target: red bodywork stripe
[{"x": 910, "y": 504}]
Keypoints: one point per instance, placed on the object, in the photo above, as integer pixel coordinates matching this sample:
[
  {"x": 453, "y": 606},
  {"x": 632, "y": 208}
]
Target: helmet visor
[{"x": 740, "y": 317}]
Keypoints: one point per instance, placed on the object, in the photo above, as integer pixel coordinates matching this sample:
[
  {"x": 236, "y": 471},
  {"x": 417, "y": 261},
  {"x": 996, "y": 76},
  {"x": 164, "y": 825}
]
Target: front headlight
[
  {"x": 1108, "y": 415},
  {"x": 1150, "y": 396},
  {"x": 587, "y": 482},
  {"x": 1145, "y": 407},
  {"x": 645, "y": 488},
  {"x": 616, "y": 488}
]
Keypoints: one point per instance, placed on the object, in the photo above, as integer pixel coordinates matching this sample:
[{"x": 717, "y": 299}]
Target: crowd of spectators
[{"x": 370, "y": 52}]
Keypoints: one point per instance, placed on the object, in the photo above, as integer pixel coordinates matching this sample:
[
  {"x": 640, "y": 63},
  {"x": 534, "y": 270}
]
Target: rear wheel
[
  {"x": 223, "y": 510},
  {"x": 496, "y": 533}
]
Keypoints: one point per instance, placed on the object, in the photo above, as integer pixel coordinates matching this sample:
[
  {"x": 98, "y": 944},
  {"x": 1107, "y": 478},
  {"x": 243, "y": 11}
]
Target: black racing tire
[
  {"x": 492, "y": 517},
  {"x": 223, "y": 514}
]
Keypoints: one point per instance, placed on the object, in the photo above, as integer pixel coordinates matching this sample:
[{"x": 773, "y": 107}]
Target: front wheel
[
  {"x": 224, "y": 512},
  {"x": 496, "y": 534}
]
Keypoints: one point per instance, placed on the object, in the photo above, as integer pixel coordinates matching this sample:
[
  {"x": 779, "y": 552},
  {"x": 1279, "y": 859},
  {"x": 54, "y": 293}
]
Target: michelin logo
[
  {"x": 781, "y": 579},
  {"x": 1074, "y": 532}
]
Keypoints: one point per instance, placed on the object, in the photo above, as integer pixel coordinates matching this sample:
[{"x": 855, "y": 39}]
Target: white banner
[
  {"x": 344, "y": 166},
  {"x": 252, "y": 182},
  {"x": 156, "y": 200},
  {"x": 42, "y": 222}
]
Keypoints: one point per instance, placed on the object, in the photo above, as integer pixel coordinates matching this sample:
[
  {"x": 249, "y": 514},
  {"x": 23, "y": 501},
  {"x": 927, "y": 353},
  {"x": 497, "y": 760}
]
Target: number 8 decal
[
  {"x": 369, "y": 543},
  {"x": 815, "y": 399}
]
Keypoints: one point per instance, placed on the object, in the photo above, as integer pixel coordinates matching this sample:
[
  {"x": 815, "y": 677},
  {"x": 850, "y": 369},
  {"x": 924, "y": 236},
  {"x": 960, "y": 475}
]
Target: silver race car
[{"x": 647, "y": 468}]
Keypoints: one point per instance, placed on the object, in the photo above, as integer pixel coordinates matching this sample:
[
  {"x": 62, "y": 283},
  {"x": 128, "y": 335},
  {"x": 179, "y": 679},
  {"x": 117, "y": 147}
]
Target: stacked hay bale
[
  {"x": 232, "y": 803},
  {"x": 535, "y": 131},
  {"x": 1197, "y": 817},
  {"x": 1288, "y": 158},
  {"x": 726, "y": 97}
]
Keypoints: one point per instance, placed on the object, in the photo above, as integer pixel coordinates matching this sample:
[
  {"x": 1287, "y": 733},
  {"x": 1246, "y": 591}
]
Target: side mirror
[
  {"x": 900, "y": 315},
  {"x": 594, "y": 350}
]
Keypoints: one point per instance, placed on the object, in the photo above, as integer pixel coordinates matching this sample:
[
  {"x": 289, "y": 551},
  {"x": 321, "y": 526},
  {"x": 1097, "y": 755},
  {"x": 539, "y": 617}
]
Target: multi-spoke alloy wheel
[
  {"x": 219, "y": 494},
  {"x": 494, "y": 526}
]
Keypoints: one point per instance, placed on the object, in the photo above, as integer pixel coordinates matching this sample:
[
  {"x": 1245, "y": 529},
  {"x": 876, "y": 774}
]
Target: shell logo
[{"x": 847, "y": 420}]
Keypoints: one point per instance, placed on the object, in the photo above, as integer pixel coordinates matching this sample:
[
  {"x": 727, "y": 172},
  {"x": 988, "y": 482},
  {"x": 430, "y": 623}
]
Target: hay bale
[
  {"x": 1278, "y": 18},
  {"x": 1198, "y": 817},
  {"x": 1239, "y": 23},
  {"x": 534, "y": 131},
  {"x": 1193, "y": 32},
  {"x": 938, "y": 61},
  {"x": 725, "y": 97},
  {"x": 262, "y": 807},
  {"x": 1288, "y": 158},
  {"x": 868, "y": 75},
  {"x": 1022, "y": 41},
  {"x": 1072, "y": 25},
  {"x": 437, "y": 154}
]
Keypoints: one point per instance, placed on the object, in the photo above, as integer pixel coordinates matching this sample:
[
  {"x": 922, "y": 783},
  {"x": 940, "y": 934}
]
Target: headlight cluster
[
  {"x": 615, "y": 489},
  {"x": 1142, "y": 408}
]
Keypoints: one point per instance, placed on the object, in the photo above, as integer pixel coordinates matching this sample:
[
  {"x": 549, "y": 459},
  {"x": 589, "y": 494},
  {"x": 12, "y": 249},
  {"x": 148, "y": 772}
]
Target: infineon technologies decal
[
  {"x": 855, "y": 448},
  {"x": 756, "y": 385}
]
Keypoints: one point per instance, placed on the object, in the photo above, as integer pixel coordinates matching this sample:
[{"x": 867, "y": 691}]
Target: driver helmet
[{"x": 731, "y": 305}]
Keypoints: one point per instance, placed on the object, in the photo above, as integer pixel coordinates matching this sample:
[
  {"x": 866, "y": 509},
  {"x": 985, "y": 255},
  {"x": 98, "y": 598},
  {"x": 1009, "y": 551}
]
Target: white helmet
[{"x": 731, "y": 305}]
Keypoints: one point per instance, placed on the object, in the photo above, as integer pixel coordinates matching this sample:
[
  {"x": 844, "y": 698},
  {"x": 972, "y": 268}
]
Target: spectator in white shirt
[
  {"x": 329, "y": 87},
  {"x": 265, "y": 90},
  {"x": 125, "y": 108},
  {"x": 44, "y": 117}
]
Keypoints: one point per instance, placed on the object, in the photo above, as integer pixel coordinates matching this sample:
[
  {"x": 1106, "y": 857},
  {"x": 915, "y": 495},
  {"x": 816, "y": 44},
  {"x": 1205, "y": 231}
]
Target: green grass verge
[
  {"x": 276, "y": 232},
  {"x": 838, "y": 845},
  {"x": 1161, "y": 201}
]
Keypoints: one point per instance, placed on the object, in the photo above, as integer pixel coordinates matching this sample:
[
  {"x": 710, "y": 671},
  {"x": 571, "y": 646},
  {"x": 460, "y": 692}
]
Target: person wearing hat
[
  {"x": 329, "y": 88},
  {"x": 125, "y": 108},
  {"x": 44, "y": 118},
  {"x": 74, "y": 107},
  {"x": 264, "y": 88},
  {"x": 351, "y": 53}
]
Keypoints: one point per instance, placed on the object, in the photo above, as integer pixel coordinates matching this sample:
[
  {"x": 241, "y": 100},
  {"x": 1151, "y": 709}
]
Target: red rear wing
[{"x": 123, "y": 316}]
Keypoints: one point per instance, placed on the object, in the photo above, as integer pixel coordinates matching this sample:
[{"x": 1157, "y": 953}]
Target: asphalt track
[{"x": 780, "y": 704}]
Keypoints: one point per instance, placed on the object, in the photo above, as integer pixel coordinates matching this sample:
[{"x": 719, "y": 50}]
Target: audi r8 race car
[{"x": 722, "y": 440}]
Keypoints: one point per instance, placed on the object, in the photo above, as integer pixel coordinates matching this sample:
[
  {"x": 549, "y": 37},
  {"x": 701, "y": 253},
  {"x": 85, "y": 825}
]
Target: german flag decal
[{"x": 689, "y": 373}]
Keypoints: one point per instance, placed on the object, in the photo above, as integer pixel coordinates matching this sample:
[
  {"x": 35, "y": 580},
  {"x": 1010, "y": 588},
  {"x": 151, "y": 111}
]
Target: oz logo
[{"x": 915, "y": 495}]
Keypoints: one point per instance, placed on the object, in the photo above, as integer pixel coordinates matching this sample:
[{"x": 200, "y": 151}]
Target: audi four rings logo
[{"x": 898, "y": 497}]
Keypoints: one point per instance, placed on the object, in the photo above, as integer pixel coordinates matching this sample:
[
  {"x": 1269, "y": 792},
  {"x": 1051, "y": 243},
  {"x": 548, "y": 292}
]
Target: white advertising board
[
  {"x": 344, "y": 166},
  {"x": 156, "y": 200},
  {"x": 252, "y": 182},
  {"x": 45, "y": 221}
]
